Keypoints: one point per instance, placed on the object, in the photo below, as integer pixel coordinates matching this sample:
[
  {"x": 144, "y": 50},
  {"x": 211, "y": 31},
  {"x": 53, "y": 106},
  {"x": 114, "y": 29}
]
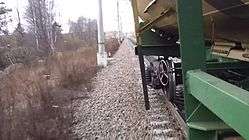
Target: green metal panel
[
  {"x": 192, "y": 41},
  {"x": 202, "y": 135},
  {"x": 208, "y": 126},
  {"x": 202, "y": 114},
  {"x": 227, "y": 65},
  {"x": 228, "y": 102},
  {"x": 193, "y": 53},
  {"x": 159, "y": 50},
  {"x": 190, "y": 24}
]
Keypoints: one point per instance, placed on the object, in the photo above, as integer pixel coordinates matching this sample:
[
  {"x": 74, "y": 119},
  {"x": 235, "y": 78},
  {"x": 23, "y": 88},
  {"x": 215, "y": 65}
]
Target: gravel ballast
[{"x": 115, "y": 108}]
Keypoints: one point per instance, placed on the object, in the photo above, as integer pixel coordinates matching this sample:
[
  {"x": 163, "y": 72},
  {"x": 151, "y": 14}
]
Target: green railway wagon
[{"x": 198, "y": 53}]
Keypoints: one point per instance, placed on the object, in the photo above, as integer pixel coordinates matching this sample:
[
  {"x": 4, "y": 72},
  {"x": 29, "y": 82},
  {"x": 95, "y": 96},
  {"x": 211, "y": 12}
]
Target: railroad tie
[
  {"x": 157, "y": 123},
  {"x": 161, "y": 131}
]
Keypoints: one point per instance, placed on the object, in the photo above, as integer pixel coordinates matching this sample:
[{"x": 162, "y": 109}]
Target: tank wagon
[{"x": 196, "y": 52}]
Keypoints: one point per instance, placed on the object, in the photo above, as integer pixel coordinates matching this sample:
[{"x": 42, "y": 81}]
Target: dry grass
[
  {"x": 29, "y": 108},
  {"x": 71, "y": 69},
  {"x": 33, "y": 105}
]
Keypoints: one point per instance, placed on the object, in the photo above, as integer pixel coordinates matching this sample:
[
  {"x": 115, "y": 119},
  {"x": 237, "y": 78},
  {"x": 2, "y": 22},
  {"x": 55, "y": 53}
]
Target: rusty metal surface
[{"x": 224, "y": 19}]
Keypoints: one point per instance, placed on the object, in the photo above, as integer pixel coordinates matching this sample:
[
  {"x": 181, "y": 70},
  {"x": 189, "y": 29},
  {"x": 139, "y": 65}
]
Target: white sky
[{"x": 72, "y": 9}]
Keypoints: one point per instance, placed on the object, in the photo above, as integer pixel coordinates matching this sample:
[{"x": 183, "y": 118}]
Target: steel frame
[
  {"x": 212, "y": 105},
  {"x": 148, "y": 43}
]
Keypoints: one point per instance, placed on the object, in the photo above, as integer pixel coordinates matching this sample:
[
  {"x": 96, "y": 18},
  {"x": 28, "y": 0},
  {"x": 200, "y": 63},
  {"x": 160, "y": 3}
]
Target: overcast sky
[{"x": 72, "y": 9}]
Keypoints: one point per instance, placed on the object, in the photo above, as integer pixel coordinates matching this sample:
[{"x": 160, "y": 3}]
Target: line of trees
[
  {"x": 43, "y": 31},
  {"x": 41, "y": 17},
  {"x": 84, "y": 29},
  {"x": 43, "y": 34}
]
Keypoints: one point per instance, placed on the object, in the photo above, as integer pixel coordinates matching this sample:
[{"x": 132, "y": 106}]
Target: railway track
[
  {"x": 165, "y": 122},
  {"x": 115, "y": 107}
]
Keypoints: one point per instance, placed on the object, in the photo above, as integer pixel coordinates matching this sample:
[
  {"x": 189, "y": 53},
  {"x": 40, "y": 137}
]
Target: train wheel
[
  {"x": 164, "y": 77},
  {"x": 172, "y": 81},
  {"x": 167, "y": 78}
]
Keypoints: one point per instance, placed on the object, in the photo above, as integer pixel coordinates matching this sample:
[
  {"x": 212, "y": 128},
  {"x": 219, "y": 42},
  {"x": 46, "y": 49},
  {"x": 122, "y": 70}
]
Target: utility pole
[
  {"x": 101, "y": 55},
  {"x": 120, "y": 24},
  {"x": 118, "y": 17}
]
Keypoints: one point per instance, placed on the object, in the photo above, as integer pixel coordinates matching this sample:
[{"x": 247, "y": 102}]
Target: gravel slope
[{"x": 115, "y": 107}]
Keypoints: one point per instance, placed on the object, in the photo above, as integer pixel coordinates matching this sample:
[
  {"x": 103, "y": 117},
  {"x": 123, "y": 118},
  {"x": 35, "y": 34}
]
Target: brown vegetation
[
  {"x": 42, "y": 71},
  {"x": 31, "y": 107},
  {"x": 73, "y": 68},
  {"x": 112, "y": 45}
]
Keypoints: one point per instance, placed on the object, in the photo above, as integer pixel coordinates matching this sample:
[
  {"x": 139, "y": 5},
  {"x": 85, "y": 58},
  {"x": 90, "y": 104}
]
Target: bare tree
[
  {"x": 19, "y": 31},
  {"x": 84, "y": 29},
  {"x": 4, "y": 18},
  {"x": 40, "y": 15}
]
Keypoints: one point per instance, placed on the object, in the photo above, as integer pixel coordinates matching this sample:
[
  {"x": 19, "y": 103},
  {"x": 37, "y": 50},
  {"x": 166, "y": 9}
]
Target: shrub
[
  {"x": 112, "y": 45},
  {"x": 15, "y": 55},
  {"x": 73, "y": 67}
]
